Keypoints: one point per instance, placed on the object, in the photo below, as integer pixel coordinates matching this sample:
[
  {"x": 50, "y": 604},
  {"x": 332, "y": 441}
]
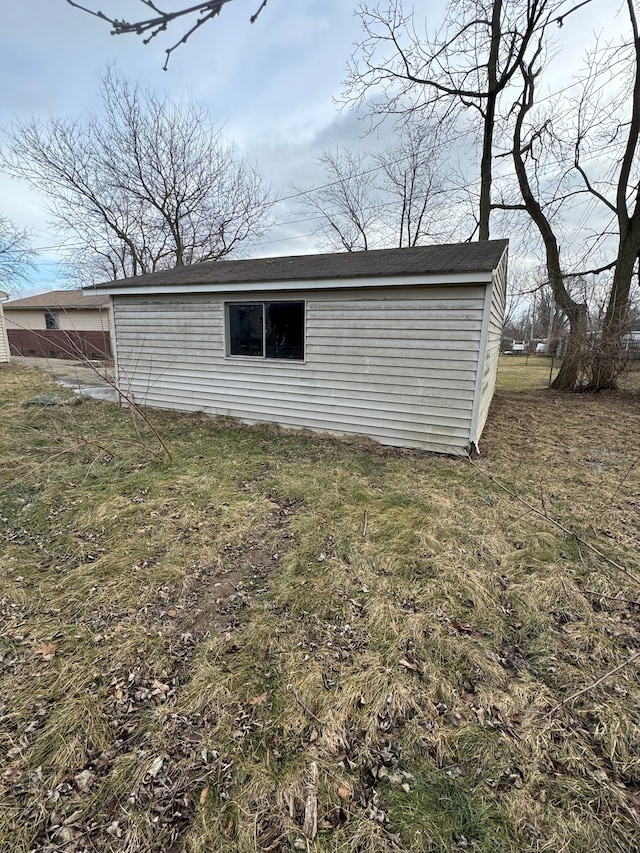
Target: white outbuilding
[
  {"x": 398, "y": 344},
  {"x": 4, "y": 340}
]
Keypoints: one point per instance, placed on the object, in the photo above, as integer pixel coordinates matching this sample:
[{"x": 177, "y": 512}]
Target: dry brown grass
[{"x": 182, "y": 642}]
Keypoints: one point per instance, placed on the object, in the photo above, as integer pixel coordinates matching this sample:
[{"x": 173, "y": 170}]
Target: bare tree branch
[
  {"x": 634, "y": 657},
  {"x": 152, "y": 185},
  {"x": 16, "y": 255},
  {"x": 470, "y": 62},
  {"x": 160, "y": 22},
  {"x": 385, "y": 199}
]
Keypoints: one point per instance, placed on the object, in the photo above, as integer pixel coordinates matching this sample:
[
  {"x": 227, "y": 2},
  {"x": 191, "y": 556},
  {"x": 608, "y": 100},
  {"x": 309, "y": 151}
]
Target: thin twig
[
  {"x": 254, "y": 18},
  {"x": 160, "y": 22},
  {"x": 611, "y": 597},
  {"x": 582, "y": 560},
  {"x": 296, "y": 695},
  {"x": 185, "y": 38},
  {"x": 77, "y": 353},
  {"x": 598, "y": 681},
  {"x": 132, "y": 404},
  {"x": 556, "y": 523},
  {"x": 364, "y": 526},
  {"x": 626, "y": 474}
]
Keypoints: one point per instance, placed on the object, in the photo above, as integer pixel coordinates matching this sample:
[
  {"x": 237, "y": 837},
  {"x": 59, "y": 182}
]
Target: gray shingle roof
[
  {"x": 58, "y": 300},
  {"x": 450, "y": 258}
]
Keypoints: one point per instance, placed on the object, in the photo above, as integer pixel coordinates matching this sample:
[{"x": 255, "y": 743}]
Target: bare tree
[
  {"x": 522, "y": 151},
  {"x": 541, "y": 141},
  {"x": 16, "y": 255},
  {"x": 413, "y": 181},
  {"x": 466, "y": 65},
  {"x": 347, "y": 205},
  {"x": 623, "y": 198},
  {"x": 384, "y": 199},
  {"x": 152, "y": 185},
  {"x": 484, "y": 52},
  {"x": 197, "y": 14}
]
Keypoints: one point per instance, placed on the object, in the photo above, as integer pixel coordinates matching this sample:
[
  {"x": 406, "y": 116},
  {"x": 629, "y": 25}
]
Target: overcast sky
[{"x": 272, "y": 83}]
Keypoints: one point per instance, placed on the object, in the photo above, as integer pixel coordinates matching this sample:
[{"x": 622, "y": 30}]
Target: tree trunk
[
  {"x": 569, "y": 375},
  {"x": 486, "y": 169},
  {"x": 486, "y": 165},
  {"x": 607, "y": 362}
]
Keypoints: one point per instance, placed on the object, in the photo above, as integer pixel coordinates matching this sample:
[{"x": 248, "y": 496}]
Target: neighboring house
[
  {"x": 400, "y": 344},
  {"x": 59, "y": 324},
  {"x": 4, "y": 341}
]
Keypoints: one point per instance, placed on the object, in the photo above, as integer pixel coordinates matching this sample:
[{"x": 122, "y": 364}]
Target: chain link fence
[{"x": 524, "y": 371}]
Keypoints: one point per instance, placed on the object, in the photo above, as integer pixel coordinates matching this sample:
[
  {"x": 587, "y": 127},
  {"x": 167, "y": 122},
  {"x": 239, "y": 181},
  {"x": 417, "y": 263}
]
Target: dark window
[
  {"x": 267, "y": 329},
  {"x": 245, "y": 330},
  {"x": 51, "y": 320},
  {"x": 284, "y": 335}
]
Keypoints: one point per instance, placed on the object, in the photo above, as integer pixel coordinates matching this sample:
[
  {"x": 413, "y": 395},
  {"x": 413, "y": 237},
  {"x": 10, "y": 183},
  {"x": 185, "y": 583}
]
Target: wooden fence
[{"x": 57, "y": 343}]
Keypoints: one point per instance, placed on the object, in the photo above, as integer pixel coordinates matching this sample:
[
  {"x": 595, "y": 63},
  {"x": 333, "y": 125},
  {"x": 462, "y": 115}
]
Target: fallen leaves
[
  {"x": 47, "y": 651},
  {"x": 155, "y": 767},
  {"x": 84, "y": 780},
  {"x": 462, "y": 627},
  {"x": 12, "y": 774}
]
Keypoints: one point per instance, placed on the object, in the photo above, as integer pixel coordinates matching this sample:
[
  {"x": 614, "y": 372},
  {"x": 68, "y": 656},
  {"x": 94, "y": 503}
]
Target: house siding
[
  {"x": 398, "y": 364},
  {"x": 75, "y": 320},
  {"x": 83, "y": 333},
  {"x": 4, "y": 341},
  {"x": 489, "y": 363}
]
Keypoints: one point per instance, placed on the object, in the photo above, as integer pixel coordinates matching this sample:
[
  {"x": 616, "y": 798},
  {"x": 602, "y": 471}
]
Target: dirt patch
[{"x": 216, "y": 595}]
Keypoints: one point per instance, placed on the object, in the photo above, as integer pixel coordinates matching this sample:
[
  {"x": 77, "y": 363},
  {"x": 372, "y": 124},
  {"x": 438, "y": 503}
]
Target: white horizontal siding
[
  {"x": 492, "y": 351},
  {"x": 397, "y": 364},
  {"x": 16, "y": 319},
  {"x": 4, "y": 342},
  {"x": 341, "y": 384},
  {"x": 84, "y": 320},
  {"x": 77, "y": 319},
  {"x": 385, "y": 373},
  {"x": 263, "y": 400}
]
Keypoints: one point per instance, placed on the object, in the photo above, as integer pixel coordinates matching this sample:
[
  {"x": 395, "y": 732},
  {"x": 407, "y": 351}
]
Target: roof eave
[{"x": 395, "y": 280}]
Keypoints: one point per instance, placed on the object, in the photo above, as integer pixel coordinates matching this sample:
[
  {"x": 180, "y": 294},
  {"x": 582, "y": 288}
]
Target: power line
[{"x": 323, "y": 216}]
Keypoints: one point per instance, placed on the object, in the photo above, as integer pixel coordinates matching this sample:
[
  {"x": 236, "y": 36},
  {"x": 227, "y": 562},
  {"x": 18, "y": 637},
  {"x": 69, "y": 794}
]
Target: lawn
[
  {"x": 532, "y": 372},
  {"x": 520, "y": 372},
  {"x": 282, "y": 641}
]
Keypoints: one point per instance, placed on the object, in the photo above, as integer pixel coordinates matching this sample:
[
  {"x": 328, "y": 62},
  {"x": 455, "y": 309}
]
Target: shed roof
[
  {"x": 423, "y": 260},
  {"x": 58, "y": 300}
]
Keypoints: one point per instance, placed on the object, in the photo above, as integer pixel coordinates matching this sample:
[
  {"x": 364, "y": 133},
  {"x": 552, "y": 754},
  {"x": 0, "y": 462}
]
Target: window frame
[
  {"x": 264, "y": 356},
  {"x": 52, "y": 321}
]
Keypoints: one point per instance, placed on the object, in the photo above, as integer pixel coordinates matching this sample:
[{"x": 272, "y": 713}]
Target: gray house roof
[
  {"x": 423, "y": 260},
  {"x": 58, "y": 300}
]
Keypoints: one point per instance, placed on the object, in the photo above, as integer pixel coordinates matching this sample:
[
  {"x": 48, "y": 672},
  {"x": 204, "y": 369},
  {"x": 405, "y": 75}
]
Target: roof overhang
[{"x": 230, "y": 288}]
